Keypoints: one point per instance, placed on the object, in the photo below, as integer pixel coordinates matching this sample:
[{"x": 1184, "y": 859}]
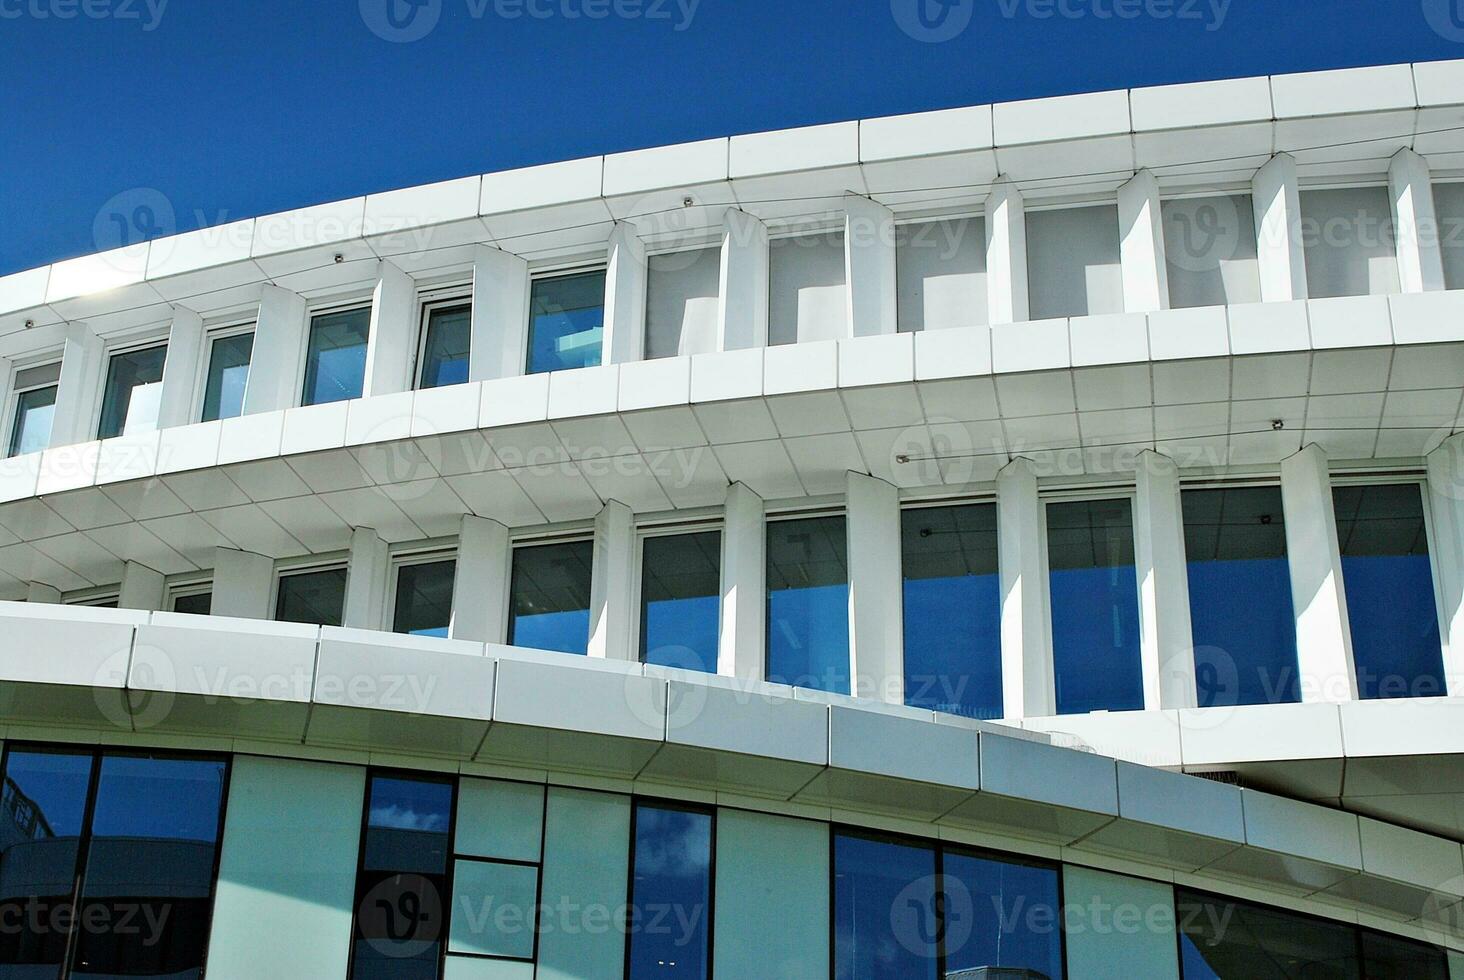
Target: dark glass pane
[
  {"x": 1394, "y": 958},
  {"x": 228, "y": 374},
  {"x": 1095, "y": 606},
  {"x": 1224, "y": 940},
  {"x": 424, "y": 598},
  {"x": 1390, "y": 591},
  {"x": 401, "y": 904},
  {"x": 885, "y": 912},
  {"x": 132, "y": 393},
  {"x": 671, "y": 894},
  {"x": 808, "y": 604},
  {"x": 549, "y": 602},
  {"x": 566, "y": 322},
  {"x": 148, "y": 886},
  {"x": 197, "y": 604},
  {"x": 445, "y": 349},
  {"x": 42, "y": 809},
  {"x": 681, "y": 600},
  {"x": 952, "y": 610},
  {"x": 34, "y": 410},
  {"x": 312, "y": 597},
  {"x": 1001, "y": 914},
  {"x": 1240, "y": 597},
  {"x": 335, "y": 362}
]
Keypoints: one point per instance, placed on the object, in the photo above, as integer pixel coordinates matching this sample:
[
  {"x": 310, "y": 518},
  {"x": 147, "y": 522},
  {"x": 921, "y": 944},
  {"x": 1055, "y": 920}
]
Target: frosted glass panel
[
  {"x": 1210, "y": 251},
  {"x": 806, "y": 296},
  {"x": 681, "y": 302},
  {"x": 1449, "y": 205},
  {"x": 941, "y": 273},
  {"x": 1350, "y": 247},
  {"x": 1073, "y": 262}
]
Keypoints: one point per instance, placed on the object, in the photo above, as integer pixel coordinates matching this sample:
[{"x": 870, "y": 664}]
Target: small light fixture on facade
[
  {"x": 1278, "y": 424},
  {"x": 687, "y": 201},
  {"x": 29, "y": 324},
  {"x": 339, "y": 258}
]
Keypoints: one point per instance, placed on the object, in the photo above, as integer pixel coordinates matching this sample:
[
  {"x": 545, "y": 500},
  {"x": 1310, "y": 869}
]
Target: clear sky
[{"x": 232, "y": 108}]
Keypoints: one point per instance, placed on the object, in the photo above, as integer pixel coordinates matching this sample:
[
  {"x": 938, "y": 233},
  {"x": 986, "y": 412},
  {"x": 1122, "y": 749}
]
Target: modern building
[{"x": 1012, "y": 541}]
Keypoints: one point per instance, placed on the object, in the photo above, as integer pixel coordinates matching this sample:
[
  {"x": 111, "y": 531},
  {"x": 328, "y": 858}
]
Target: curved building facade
[{"x": 1011, "y": 541}]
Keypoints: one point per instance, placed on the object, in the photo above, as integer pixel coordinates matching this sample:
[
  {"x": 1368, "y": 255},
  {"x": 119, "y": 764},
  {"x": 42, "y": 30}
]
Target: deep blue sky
[{"x": 232, "y": 108}]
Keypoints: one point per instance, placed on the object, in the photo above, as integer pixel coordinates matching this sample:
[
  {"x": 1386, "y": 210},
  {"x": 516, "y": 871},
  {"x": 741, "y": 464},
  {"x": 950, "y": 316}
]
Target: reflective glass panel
[
  {"x": 195, "y": 603},
  {"x": 335, "y": 360},
  {"x": 1240, "y": 597},
  {"x": 1224, "y": 940},
  {"x": 1095, "y": 606},
  {"x": 424, "y": 598},
  {"x": 885, "y": 912},
  {"x": 681, "y": 600},
  {"x": 1001, "y": 915},
  {"x": 808, "y": 604},
  {"x": 549, "y": 601},
  {"x": 1395, "y": 958},
  {"x": 34, "y": 410},
  {"x": 133, "y": 392},
  {"x": 445, "y": 348},
  {"x": 228, "y": 375},
  {"x": 952, "y": 610},
  {"x": 566, "y": 322},
  {"x": 312, "y": 597},
  {"x": 671, "y": 894}
]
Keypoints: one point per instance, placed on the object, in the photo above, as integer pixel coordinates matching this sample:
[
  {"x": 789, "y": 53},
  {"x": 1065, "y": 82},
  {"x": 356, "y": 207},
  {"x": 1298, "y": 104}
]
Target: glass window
[
  {"x": 1240, "y": 597},
  {"x": 1095, "y": 606},
  {"x": 807, "y": 299},
  {"x": 35, "y": 407},
  {"x": 808, "y": 604},
  {"x": 228, "y": 374},
  {"x": 194, "y": 603},
  {"x": 133, "y": 392},
  {"x": 509, "y": 892},
  {"x": 681, "y": 600},
  {"x": 400, "y": 906},
  {"x": 1350, "y": 243},
  {"x": 1210, "y": 251},
  {"x": 1073, "y": 266},
  {"x": 1449, "y": 204},
  {"x": 940, "y": 274},
  {"x": 445, "y": 346},
  {"x": 681, "y": 302},
  {"x": 952, "y": 610},
  {"x": 549, "y": 601},
  {"x": 671, "y": 881},
  {"x": 1390, "y": 591},
  {"x": 317, "y": 597},
  {"x": 335, "y": 360},
  {"x": 1395, "y": 958},
  {"x": 886, "y": 917},
  {"x": 1001, "y": 915},
  {"x": 424, "y": 598},
  {"x": 566, "y": 322},
  {"x": 1225, "y": 940}
]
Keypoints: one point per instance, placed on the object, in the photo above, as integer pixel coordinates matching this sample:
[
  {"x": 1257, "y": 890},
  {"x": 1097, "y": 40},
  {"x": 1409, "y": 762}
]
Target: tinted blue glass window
[
  {"x": 808, "y": 604},
  {"x": 34, "y": 411},
  {"x": 1224, "y": 940},
  {"x": 952, "y": 610},
  {"x": 132, "y": 392},
  {"x": 549, "y": 604},
  {"x": 445, "y": 348},
  {"x": 1095, "y": 606},
  {"x": 228, "y": 376},
  {"x": 1240, "y": 597},
  {"x": 312, "y": 597},
  {"x": 424, "y": 598},
  {"x": 671, "y": 894},
  {"x": 566, "y": 322},
  {"x": 1001, "y": 914},
  {"x": 335, "y": 360},
  {"x": 681, "y": 601},
  {"x": 1390, "y": 591},
  {"x": 885, "y": 912}
]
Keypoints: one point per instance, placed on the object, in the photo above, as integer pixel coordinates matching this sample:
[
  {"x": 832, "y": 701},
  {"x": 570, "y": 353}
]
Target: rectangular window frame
[
  {"x": 107, "y": 595},
  {"x": 427, "y": 304},
  {"x": 422, "y": 554},
  {"x": 794, "y": 514},
  {"x": 557, "y": 272},
  {"x": 12, "y": 404},
  {"x": 531, "y": 539},
  {"x": 685, "y": 806},
  {"x": 200, "y": 381},
  {"x": 191, "y": 587},
  {"x": 666, "y": 530},
  {"x": 304, "y": 566},
  {"x": 348, "y": 304},
  {"x": 121, "y": 348}
]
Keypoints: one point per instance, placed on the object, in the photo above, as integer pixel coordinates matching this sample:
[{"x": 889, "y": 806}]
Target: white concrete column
[
  {"x": 612, "y": 577},
  {"x": 625, "y": 297},
  {"x": 392, "y": 346},
  {"x": 180, "y": 369},
  {"x": 78, "y": 389},
  {"x": 1141, "y": 245},
  {"x": 142, "y": 588},
  {"x": 1276, "y": 198},
  {"x": 480, "y": 584},
  {"x": 742, "y": 305},
  {"x": 876, "y": 600},
  {"x": 1166, "y": 637},
  {"x": 41, "y": 592},
  {"x": 1028, "y": 686},
  {"x": 279, "y": 346},
  {"x": 869, "y": 267},
  {"x": 1323, "y": 637},
  {"x": 367, "y": 572},
  {"x": 242, "y": 584},
  {"x": 742, "y": 642},
  {"x": 500, "y": 315},
  {"x": 1006, "y": 254},
  {"x": 1446, "y": 507},
  {"x": 1416, "y": 223}
]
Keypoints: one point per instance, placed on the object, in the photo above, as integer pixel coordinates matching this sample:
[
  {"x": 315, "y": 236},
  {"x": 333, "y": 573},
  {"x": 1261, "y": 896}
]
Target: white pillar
[
  {"x": 392, "y": 346},
  {"x": 279, "y": 345},
  {"x": 1446, "y": 500},
  {"x": 743, "y": 638},
  {"x": 41, "y": 592},
  {"x": 612, "y": 576},
  {"x": 1166, "y": 638},
  {"x": 1416, "y": 223},
  {"x": 78, "y": 388},
  {"x": 367, "y": 571},
  {"x": 142, "y": 588},
  {"x": 1276, "y": 198},
  {"x": 876, "y": 614},
  {"x": 869, "y": 267},
  {"x": 500, "y": 315},
  {"x": 242, "y": 584},
  {"x": 1028, "y": 686},
  {"x": 1323, "y": 638},
  {"x": 480, "y": 584},
  {"x": 1006, "y": 254},
  {"x": 1141, "y": 245},
  {"x": 742, "y": 306},
  {"x": 625, "y": 297},
  {"x": 180, "y": 369}
]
